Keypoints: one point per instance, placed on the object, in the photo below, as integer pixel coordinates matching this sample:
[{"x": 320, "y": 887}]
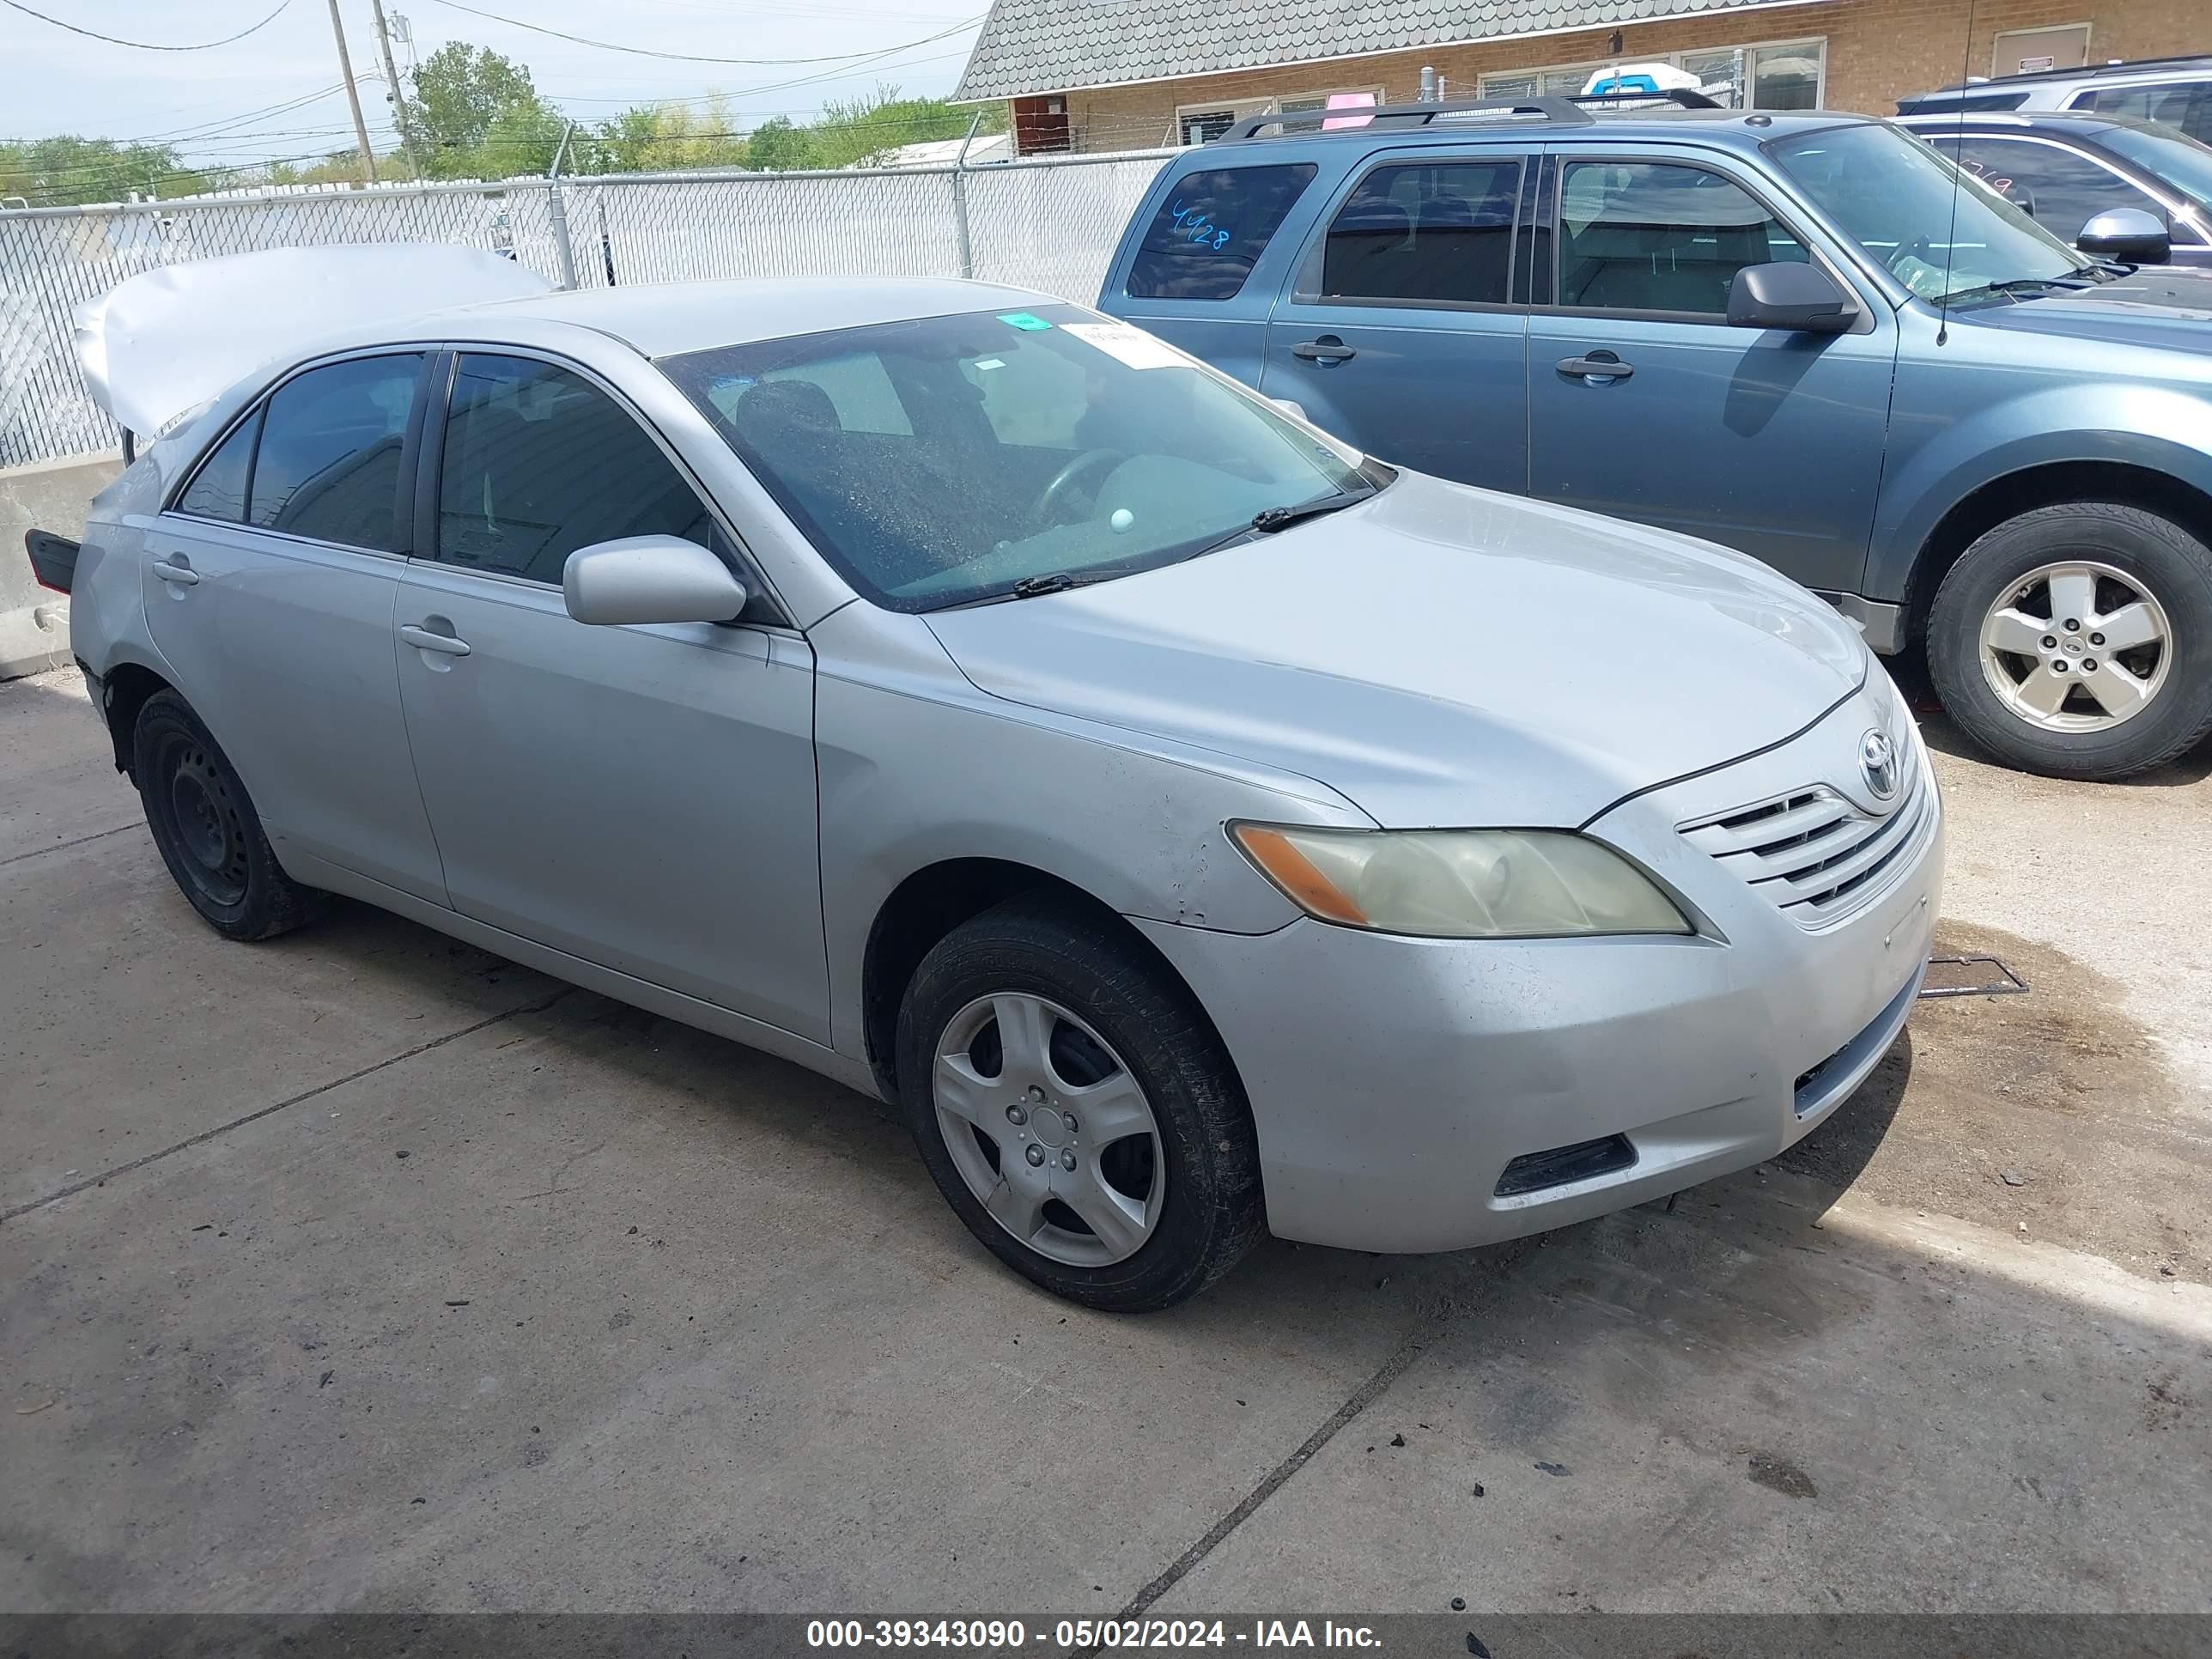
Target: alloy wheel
[
  {"x": 2076, "y": 646},
  {"x": 1049, "y": 1129}
]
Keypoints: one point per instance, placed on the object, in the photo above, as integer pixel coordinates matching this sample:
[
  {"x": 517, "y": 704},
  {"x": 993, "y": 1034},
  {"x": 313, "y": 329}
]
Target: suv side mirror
[
  {"x": 2129, "y": 234},
  {"x": 649, "y": 579},
  {"x": 1790, "y": 294}
]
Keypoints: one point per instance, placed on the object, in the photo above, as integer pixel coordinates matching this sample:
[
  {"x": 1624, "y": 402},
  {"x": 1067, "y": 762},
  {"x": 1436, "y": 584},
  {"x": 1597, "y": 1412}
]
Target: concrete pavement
[{"x": 362, "y": 1270}]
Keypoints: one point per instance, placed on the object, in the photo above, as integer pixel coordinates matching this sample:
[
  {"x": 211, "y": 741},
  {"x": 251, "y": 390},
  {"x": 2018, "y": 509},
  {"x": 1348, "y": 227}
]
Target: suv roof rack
[
  {"x": 1557, "y": 109},
  {"x": 2186, "y": 60}
]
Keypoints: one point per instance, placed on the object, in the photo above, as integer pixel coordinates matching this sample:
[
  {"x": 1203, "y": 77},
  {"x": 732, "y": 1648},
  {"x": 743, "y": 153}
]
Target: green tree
[
  {"x": 664, "y": 137},
  {"x": 475, "y": 114},
  {"x": 862, "y": 131},
  {"x": 777, "y": 146},
  {"x": 70, "y": 171}
]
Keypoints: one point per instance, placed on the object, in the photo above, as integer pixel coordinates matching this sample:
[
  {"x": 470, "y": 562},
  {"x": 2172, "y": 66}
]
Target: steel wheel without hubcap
[
  {"x": 2078, "y": 647},
  {"x": 1049, "y": 1129},
  {"x": 206, "y": 822}
]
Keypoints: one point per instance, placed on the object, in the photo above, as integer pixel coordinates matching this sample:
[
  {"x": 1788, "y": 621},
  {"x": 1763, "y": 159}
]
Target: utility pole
[
  {"x": 398, "y": 99},
  {"x": 353, "y": 95}
]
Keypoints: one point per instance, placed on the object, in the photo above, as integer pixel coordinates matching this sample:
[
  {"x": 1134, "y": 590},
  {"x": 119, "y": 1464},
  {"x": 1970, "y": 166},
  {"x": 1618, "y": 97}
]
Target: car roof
[
  {"x": 1743, "y": 128},
  {"x": 660, "y": 319},
  {"x": 2040, "y": 120},
  {"x": 2141, "y": 66}
]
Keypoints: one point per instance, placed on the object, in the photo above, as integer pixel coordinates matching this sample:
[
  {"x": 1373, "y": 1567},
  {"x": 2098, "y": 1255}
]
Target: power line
[
  {"x": 149, "y": 46},
  {"x": 694, "y": 57}
]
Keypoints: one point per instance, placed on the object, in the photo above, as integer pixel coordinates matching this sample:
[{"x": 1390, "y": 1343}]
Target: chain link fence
[{"x": 1050, "y": 224}]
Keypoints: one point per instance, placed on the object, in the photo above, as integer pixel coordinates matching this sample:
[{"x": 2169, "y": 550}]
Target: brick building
[{"x": 1094, "y": 74}]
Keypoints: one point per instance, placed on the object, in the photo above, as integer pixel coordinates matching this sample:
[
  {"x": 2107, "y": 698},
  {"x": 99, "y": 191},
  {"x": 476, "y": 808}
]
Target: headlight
[{"x": 1460, "y": 883}]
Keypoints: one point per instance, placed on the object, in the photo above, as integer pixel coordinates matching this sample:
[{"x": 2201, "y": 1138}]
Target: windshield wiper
[
  {"x": 1059, "y": 581},
  {"x": 1269, "y": 519}
]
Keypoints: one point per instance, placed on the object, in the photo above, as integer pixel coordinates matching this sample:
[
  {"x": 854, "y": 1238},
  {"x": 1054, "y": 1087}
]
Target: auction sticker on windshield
[{"x": 1126, "y": 345}]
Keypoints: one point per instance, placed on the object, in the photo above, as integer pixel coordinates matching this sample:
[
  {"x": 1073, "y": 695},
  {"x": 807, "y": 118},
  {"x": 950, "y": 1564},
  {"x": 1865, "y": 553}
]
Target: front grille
[{"x": 1815, "y": 854}]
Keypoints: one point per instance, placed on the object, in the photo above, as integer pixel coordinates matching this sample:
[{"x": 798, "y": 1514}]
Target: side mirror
[
  {"x": 2127, "y": 234},
  {"x": 1789, "y": 295},
  {"x": 649, "y": 579}
]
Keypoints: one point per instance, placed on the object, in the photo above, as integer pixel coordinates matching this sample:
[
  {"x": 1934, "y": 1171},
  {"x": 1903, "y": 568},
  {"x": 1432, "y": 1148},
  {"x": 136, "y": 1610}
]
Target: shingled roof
[{"x": 1055, "y": 46}]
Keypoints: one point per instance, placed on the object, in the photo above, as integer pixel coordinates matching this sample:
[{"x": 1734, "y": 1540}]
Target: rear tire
[
  {"x": 206, "y": 829},
  {"x": 1134, "y": 1092},
  {"x": 2122, "y": 687}
]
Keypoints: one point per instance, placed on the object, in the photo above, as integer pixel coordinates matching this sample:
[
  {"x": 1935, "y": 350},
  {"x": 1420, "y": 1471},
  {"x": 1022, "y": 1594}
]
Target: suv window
[
  {"x": 1440, "y": 234},
  {"x": 2186, "y": 105},
  {"x": 328, "y": 463},
  {"x": 1210, "y": 230},
  {"x": 2062, "y": 188},
  {"x": 1650, "y": 236},
  {"x": 218, "y": 489},
  {"x": 539, "y": 462}
]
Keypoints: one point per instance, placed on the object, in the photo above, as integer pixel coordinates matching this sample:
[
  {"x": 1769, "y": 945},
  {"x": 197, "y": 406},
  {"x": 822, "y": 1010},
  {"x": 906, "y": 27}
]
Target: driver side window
[{"x": 1653, "y": 236}]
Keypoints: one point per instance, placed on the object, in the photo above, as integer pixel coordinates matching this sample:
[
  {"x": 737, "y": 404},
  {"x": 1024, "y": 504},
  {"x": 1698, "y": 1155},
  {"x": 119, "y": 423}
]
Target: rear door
[
  {"x": 1208, "y": 262},
  {"x": 269, "y": 587},
  {"x": 1644, "y": 404},
  {"x": 642, "y": 797},
  {"x": 1399, "y": 332}
]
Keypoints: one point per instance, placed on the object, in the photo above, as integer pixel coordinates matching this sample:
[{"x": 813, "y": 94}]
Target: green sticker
[{"x": 1023, "y": 319}]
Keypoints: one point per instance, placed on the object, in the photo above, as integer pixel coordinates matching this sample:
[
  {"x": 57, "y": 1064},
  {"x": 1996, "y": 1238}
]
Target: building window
[
  {"x": 1196, "y": 124},
  {"x": 1764, "y": 74}
]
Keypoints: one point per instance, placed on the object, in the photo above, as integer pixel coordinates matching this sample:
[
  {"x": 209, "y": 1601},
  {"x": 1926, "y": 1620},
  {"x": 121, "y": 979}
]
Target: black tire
[
  {"x": 1212, "y": 1210},
  {"x": 205, "y": 826},
  {"x": 2154, "y": 553}
]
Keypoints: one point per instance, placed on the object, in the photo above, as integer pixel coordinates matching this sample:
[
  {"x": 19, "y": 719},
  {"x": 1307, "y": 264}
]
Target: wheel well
[
  {"x": 929, "y": 904},
  {"x": 1983, "y": 510},
  {"x": 127, "y": 687}
]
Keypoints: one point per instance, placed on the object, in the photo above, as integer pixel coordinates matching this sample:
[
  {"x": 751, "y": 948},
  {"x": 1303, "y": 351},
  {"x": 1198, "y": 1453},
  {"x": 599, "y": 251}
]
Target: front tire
[
  {"x": 1076, "y": 1110},
  {"x": 2076, "y": 640},
  {"x": 206, "y": 829}
]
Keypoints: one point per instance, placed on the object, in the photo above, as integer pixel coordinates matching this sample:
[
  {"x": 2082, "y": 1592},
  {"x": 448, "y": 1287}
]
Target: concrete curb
[{"x": 47, "y": 496}]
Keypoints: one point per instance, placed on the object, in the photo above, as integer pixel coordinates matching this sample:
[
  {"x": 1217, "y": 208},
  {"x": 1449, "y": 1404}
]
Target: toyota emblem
[{"x": 1878, "y": 760}]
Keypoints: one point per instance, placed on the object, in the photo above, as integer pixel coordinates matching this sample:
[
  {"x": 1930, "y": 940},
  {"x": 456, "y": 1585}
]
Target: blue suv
[{"x": 1805, "y": 336}]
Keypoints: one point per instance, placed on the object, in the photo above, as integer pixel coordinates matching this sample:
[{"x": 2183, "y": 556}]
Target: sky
[{"x": 223, "y": 104}]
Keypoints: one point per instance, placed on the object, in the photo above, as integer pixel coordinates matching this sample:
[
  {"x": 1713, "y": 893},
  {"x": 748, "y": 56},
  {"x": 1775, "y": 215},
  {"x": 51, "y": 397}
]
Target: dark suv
[{"x": 1805, "y": 336}]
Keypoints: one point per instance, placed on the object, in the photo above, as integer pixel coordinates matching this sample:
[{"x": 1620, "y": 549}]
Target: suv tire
[
  {"x": 1119, "y": 1035},
  {"x": 2109, "y": 559},
  {"x": 206, "y": 829}
]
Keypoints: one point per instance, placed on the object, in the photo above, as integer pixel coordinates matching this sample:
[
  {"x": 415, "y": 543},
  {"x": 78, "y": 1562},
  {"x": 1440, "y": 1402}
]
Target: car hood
[
  {"x": 2165, "y": 306},
  {"x": 1438, "y": 655}
]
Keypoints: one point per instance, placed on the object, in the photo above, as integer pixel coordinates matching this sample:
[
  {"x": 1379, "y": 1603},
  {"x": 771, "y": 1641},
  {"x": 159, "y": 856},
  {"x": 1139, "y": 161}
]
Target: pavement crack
[
  {"x": 257, "y": 1115},
  {"x": 1410, "y": 1348},
  {"x": 63, "y": 845}
]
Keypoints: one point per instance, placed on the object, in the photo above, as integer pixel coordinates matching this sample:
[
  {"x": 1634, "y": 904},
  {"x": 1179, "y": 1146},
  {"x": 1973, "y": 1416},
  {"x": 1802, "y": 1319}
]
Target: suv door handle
[
  {"x": 179, "y": 573},
  {"x": 423, "y": 639},
  {"x": 1327, "y": 349},
  {"x": 1598, "y": 366}
]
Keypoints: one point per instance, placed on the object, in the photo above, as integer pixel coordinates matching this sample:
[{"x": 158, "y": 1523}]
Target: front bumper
[{"x": 1393, "y": 1079}]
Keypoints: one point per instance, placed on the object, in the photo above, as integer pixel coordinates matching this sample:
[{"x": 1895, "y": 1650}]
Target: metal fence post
[
  {"x": 557, "y": 213},
  {"x": 960, "y": 197}
]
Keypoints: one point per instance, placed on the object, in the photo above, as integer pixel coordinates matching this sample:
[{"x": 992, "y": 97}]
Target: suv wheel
[
  {"x": 204, "y": 825},
  {"x": 2076, "y": 641},
  {"x": 1076, "y": 1110}
]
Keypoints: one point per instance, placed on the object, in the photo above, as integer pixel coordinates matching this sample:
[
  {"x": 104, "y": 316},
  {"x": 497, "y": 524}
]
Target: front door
[
  {"x": 1398, "y": 334},
  {"x": 1644, "y": 404},
  {"x": 642, "y": 797},
  {"x": 270, "y": 588}
]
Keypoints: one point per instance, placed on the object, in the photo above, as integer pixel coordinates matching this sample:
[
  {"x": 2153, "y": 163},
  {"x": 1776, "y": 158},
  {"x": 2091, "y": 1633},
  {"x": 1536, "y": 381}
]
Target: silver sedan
[{"x": 1195, "y": 827}]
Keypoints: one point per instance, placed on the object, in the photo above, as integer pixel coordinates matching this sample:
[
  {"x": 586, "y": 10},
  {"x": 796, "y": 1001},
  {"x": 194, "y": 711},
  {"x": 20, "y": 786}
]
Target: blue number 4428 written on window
[{"x": 1198, "y": 228}]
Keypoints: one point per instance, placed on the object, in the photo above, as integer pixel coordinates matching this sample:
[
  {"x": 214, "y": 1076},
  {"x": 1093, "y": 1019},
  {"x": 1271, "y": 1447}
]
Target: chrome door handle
[
  {"x": 1327, "y": 349},
  {"x": 1598, "y": 366},
  {"x": 177, "y": 575},
  {"x": 423, "y": 639}
]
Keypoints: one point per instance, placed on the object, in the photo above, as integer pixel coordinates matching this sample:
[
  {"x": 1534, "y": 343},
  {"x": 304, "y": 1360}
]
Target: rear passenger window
[
  {"x": 1211, "y": 229},
  {"x": 2187, "y": 105},
  {"x": 1425, "y": 235},
  {"x": 218, "y": 489},
  {"x": 539, "y": 462},
  {"x": 1647, "y": 236},
  {"x": 328, "y": 465}
]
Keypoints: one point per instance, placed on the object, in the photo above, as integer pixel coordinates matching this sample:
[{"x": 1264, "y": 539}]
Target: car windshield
[
  {"x": 949, "y": 460},
  {"x": 2168, "y": 155},
  {"x": 1898, "y": 197}
]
